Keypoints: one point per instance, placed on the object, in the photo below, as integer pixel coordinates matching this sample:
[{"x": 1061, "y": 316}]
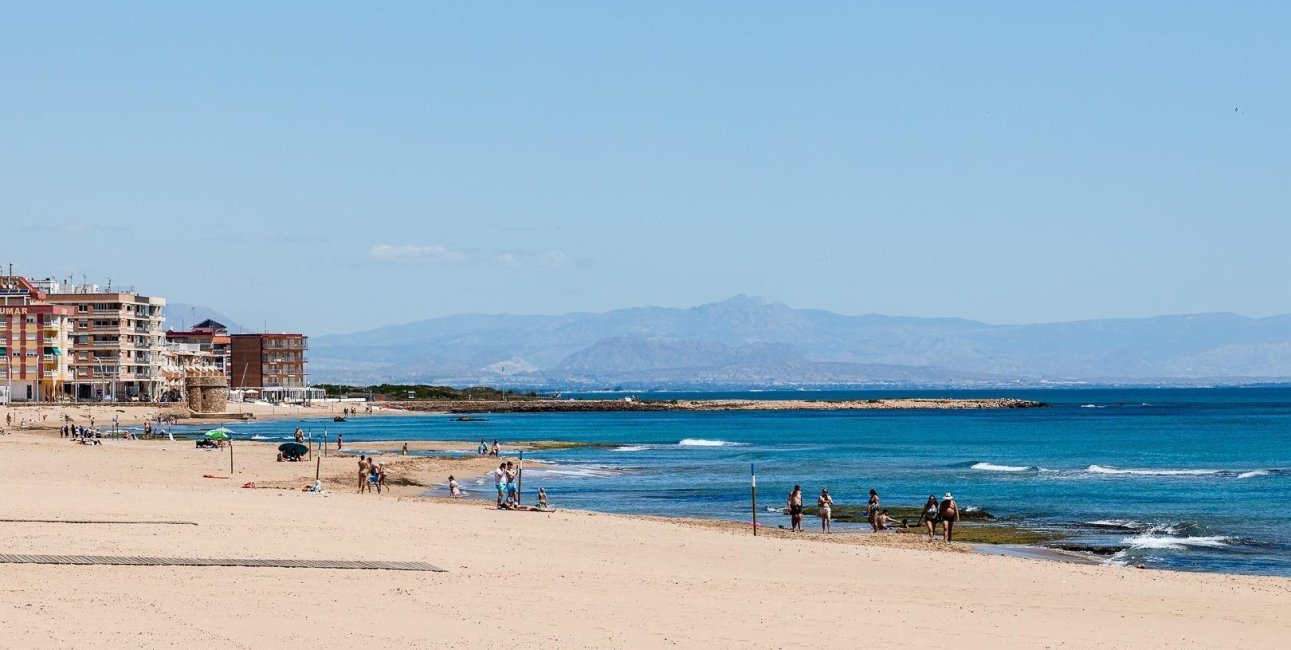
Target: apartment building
[
  {"x": 209, "y": 336},
  {"x": 35, "y": 340},
  {"x": 268, "y": 361},
  {"x": 116, "y": 341}
]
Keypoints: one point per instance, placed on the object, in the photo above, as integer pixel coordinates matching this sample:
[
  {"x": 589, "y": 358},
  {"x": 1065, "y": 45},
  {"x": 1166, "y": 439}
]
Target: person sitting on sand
[
  {"x": 454, "y": 490},
  {"x": 929, "y": 515},
  {"x": 824, "y": 502},
  {"x": 501, "y": 476},
  {"x": 542, "y": 498},
  {"x": 948, "y": 515},
  {"x": 363, "y": 473},
  {"x": 794, "y": 505},
  {"x": 872, "y": 511},
  {"x": 882, "y": 521}
]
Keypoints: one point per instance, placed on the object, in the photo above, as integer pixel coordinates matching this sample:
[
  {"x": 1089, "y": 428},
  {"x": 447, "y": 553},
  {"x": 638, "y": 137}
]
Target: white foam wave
[
  {"x": 582, "y": 473},
  {"x": 632, "y": 448},
  {"x": 991, "y": 467},
  {"x": 700, "y": 442},
  {"x": 1255, "y": 473},
  {"x": 1128, "y": 524},
  {"x": 1113, "y": 471},
  {"x": 1093, "y": 406},
  {"x": 1149, "y": 540},
  {"x": 260, "y": 437}
]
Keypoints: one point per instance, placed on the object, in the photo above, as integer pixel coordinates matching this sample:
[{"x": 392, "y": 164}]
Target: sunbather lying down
[
  {"x": 89, "y": 441},
  {"x": 513, "y": 506}
]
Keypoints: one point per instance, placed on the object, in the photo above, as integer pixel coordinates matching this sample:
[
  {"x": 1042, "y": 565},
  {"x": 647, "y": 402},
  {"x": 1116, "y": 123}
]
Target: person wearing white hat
[{"x": 948, "y": 515}]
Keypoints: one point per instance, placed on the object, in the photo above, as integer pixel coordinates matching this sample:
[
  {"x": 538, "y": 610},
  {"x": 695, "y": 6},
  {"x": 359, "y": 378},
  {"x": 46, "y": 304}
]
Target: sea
[{"x": 1186, "y": 479}]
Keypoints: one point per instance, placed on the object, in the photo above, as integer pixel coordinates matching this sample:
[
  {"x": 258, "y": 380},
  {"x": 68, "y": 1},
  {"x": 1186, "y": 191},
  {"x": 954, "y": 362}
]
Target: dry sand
[
  {"x": 568, "y": 579},
  {"x": 51, "y": 416}
]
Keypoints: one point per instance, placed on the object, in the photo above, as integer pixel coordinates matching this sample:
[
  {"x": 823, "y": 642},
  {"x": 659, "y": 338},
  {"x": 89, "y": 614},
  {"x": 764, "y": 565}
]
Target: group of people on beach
[
  {"x": 485, "y": 450},
  {"x": 372, "y": 475},
  {"x": 945, "y": 512},
  {"x": 507, "y": 476}
]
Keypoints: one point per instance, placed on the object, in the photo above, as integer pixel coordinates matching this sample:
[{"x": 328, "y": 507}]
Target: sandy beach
[
  {"x": 51, "y": 416},
  {"x": 564, "y": 579}
]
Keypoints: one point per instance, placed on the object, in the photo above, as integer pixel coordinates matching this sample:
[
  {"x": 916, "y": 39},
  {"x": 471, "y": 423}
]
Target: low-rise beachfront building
[
  {"x": 35, "y": 342},
  {"x": 271, "y": 365},
  {"x": 117, "y": 339},
  {"x": 209, "y": 336},
  {"x": 181, "y": 361}
]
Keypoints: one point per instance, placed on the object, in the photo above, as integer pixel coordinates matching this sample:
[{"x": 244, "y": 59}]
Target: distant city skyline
[{"x": 337, "y": 168}]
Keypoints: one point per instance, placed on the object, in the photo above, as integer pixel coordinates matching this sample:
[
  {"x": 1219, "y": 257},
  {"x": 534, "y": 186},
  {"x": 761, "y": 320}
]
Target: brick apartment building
[
  {"x": 116, "y": 341},
  {"x": 35, "y": 339},
  {"x": 209, "y": 336},
  {"x": 268, "y": 361}
]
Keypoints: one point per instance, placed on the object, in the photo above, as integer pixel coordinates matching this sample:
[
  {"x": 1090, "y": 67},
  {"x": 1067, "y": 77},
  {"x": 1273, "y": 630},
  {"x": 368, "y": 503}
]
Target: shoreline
[
  {"x": 545, "y": 405},
  {"x": 702, "y": 582}
]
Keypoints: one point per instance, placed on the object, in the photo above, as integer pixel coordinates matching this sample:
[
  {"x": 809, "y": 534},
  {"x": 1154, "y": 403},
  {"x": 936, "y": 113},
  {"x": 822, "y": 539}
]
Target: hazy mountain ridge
[{"x": 748, "y": 341}]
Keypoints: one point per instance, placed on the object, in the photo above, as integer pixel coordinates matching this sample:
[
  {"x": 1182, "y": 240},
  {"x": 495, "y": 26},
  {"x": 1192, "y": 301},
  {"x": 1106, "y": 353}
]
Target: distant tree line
[{"x": 423, "y": 392}]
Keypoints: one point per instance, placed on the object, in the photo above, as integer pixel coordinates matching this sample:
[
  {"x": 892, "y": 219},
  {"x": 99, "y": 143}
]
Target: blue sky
[{"x": 337, "y": 166}]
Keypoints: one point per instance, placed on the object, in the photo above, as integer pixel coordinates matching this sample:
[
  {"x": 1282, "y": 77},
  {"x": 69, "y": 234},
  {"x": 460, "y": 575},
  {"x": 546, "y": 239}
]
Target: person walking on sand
[
  {"x": 929, "y": 515},
  {"x": 824, "y": 502},
  {"x": 949, "y": 516},
  {"x": 872, "y": 511},
  {"x": 339, "y": 442},
  {"x": 794, "y": 505},
  {"x": 363, "y": 473}
]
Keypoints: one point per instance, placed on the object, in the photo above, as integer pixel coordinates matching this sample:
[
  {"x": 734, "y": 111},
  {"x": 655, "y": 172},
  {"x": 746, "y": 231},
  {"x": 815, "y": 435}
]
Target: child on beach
[
  {"x": 824, "y": 502},
  {"x": 454, "y": 490}
]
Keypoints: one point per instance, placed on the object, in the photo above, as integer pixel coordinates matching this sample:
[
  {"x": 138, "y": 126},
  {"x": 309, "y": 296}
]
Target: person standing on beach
[
  {"x": 948, "y": 514},
  {"x": 300, "y": 435},
  {"x": 795, "y": 509},
  {"x": 824, "y": 502},
  {"x": 494, "y": 452},
  {"x": 454, "y": 490},
  {"x": 338, "y": 442},
  {"x": 513, "y": 495},
  {"x": 502, "y": 482},
  {"x": 929, "y": 515},
  {"x": 872, "y": 511},
  {"x": 363, "y": 473}
]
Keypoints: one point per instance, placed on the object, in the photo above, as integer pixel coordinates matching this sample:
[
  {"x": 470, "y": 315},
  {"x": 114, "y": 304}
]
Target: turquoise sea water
[{"x": 1186, "y": 479}]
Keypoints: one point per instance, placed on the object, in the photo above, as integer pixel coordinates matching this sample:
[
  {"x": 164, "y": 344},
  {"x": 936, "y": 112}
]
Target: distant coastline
[{"x": 547, "y": 405}]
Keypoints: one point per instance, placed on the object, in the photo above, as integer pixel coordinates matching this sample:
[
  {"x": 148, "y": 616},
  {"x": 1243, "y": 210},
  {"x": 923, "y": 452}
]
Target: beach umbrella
[
  {"x": 293, "y": 449},
  {"x": 220, "y": 433}
]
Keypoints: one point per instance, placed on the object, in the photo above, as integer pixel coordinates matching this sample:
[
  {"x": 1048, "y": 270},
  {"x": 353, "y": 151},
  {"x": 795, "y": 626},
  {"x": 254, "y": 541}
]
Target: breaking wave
[{"x": 700, "y": 442}]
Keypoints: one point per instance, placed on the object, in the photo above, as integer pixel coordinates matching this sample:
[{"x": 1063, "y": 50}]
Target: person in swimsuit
[
  {"x": 454, "y": 490},
  {"x": 502, "y": 483},
  {"x": 794, "y": 504},
  {"x": 374, "y": 477},
  {"x": 948, "y": 514},
  {"x": 542, "y": 498},
  {"x": 405, "y": 449},
  {"x": 339, "y": 442},
  {"x": 513, "y": 493},
  {"x": 363, "y": 473},
  {"x": 884, "y": 521},
  {"x": 929, "y": 515},
  {"x": 872, "y": 511},
  {"x": 824, "y": 502},
  {"x": 494, "y": 452}
]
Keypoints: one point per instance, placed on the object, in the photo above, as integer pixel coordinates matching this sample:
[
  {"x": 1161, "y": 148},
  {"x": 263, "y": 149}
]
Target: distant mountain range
[{"x": 750, "y": 342}]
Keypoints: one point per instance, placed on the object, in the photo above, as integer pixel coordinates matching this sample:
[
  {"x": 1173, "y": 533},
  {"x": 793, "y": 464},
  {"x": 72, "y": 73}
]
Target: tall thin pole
[
  {"x": 230, "y": 457},
  {"x": 753, "y": 473},
  {"x": 520, "y": 479}
]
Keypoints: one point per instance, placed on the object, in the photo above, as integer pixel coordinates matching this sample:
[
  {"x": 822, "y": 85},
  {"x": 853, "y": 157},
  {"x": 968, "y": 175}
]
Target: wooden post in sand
[
  {"x": 318, "y": 467},
  {"x": 230, "y": 457},
  {"x": 753, "y": 472}
]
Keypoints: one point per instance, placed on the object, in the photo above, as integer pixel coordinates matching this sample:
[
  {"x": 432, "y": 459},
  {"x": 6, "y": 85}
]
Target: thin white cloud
[
  {"x": 416, "y": 253},
  {"x": 550, "y": 259}
]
